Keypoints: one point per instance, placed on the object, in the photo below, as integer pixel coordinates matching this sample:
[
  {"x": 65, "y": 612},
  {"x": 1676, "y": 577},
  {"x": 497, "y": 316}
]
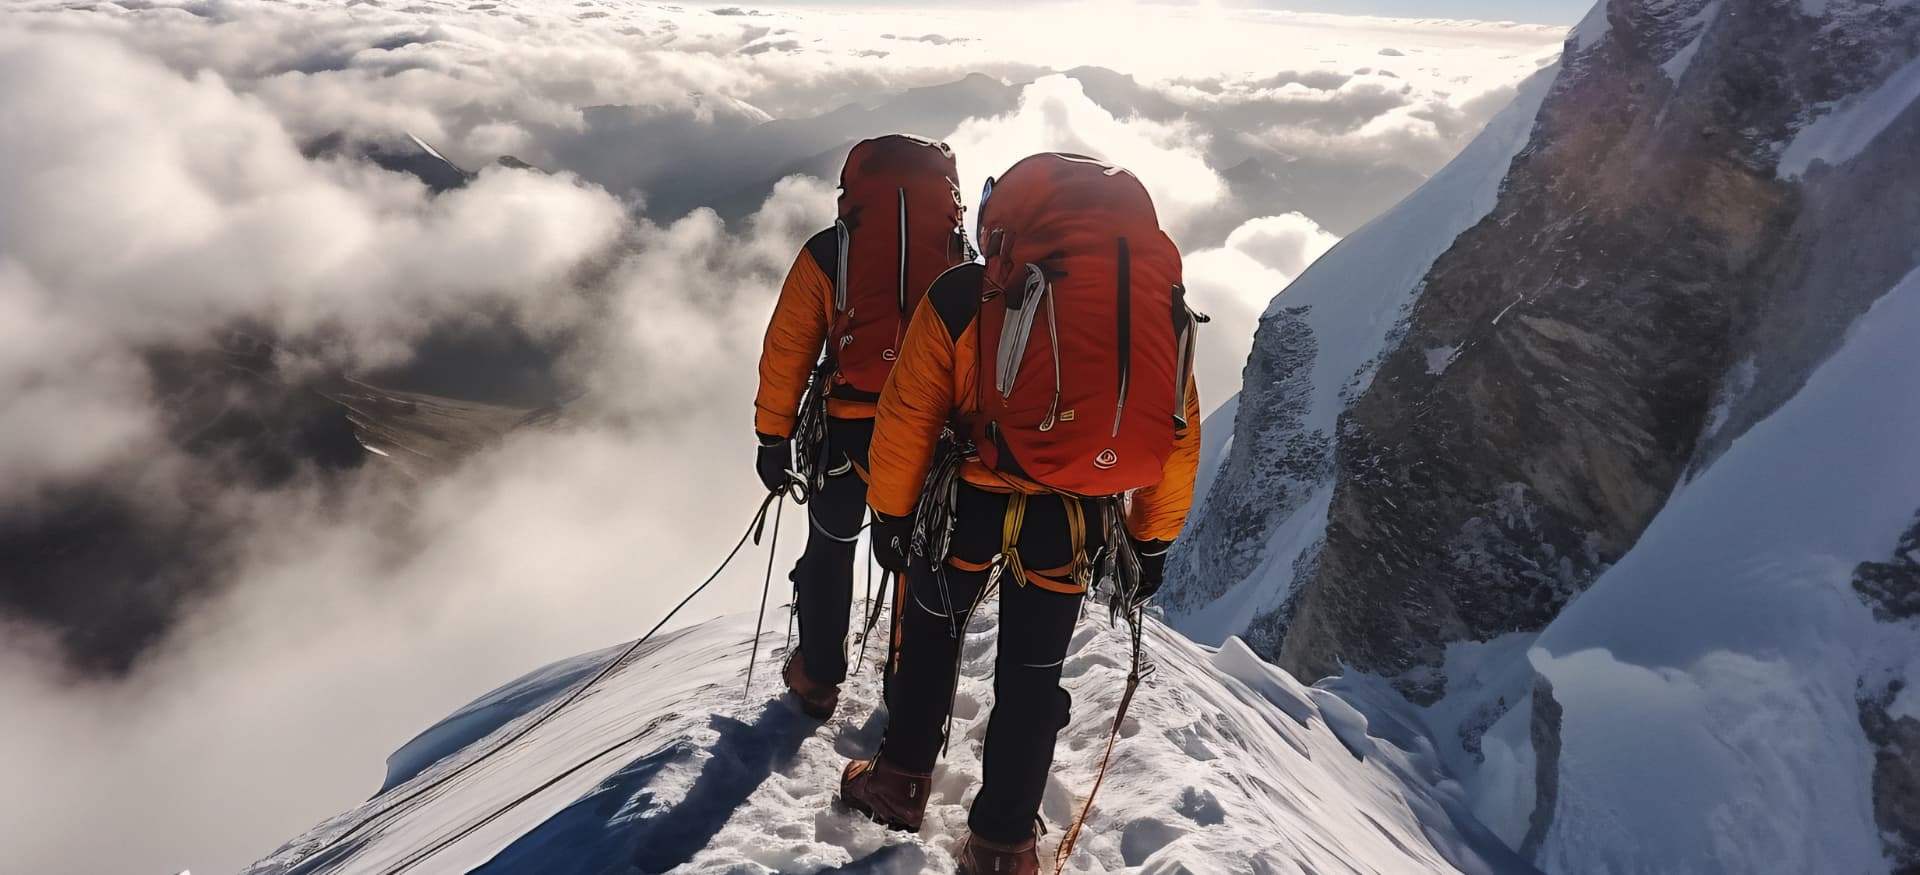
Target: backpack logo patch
[{"x": 1106, "y": 460}]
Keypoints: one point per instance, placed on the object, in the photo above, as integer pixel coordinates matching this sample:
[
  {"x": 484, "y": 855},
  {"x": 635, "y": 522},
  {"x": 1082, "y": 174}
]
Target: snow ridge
[
  {"x": 1838, "y": 136},
  {"x": 1225, "y": 764}
]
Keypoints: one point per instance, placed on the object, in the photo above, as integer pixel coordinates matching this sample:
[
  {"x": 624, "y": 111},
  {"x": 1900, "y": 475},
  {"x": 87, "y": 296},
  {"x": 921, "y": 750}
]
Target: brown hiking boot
[
  {"x": 817, "y": 700},
  {"x": 977, "y": 856},
  {"x": 893, "y": 797}
]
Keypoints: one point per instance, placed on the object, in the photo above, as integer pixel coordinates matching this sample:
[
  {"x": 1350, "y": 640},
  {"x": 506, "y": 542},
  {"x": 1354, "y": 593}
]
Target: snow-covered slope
[
  {"x": 1225, "y": 765},
  {"x": 1713, "y": 687},
  {"x": 1736, "y": 694}
]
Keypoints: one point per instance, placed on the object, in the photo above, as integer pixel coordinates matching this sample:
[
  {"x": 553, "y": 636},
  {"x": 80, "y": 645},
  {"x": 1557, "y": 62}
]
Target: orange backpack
[
  {"x": 900, "y": 226},
  {"x": 1085, "y": 336}
]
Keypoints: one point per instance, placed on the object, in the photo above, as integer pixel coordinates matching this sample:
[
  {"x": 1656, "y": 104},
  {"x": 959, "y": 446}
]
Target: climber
[
  {"x": 839, "y": 321},
  {"x": 1084, "y": 441}
]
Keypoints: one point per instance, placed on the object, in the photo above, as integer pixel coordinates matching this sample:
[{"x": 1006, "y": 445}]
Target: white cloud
[
  {"x": 275, "y": 705},
  {"x": 146, "y": 208},
  {"x": 1055, "y": 115},
  {"x": 1233, "y": 284},
  {"x": 345, "y": 621},
  {"x": 693, "y": 303},
  {"x": 516, "y": 76},
  {"x": 1285, "y": 243},
  {"x": 152, "y": 200},
  {"x": 350, "y": 622}
]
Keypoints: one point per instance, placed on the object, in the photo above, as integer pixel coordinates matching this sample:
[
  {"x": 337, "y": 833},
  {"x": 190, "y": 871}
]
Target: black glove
[
  {"x": 892, "y": 541},
  {"x": 776, "y": 455},
  {"x": 1153, "y": 569}
]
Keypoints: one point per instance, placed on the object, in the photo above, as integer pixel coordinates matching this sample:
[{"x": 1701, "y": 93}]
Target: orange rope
[{"x": 1126, "y": 699}]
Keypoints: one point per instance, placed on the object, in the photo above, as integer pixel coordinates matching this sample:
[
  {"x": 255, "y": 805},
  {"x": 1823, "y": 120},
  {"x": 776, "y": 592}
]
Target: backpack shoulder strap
[
  {"x": 1186, "y": 324},
  {"x": 955, "y": 295},
  {"x": 825, "y": 249}
]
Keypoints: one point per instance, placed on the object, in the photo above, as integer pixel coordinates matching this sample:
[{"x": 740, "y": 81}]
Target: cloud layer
[
  {"x": 619, "y": 94},
  {"x": 1056, "y": 115},
  {"x": 161, "y": 193}
]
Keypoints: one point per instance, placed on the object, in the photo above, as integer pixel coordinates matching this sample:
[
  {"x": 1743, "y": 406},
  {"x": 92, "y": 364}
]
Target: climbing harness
[
  {"x": 933, "y": 517},
  {"x": 1118, "y": 564},
  {"x": 812, "y": 450},
  {"x": 1073, "y": 578},
  {"x": 810, "y": 435}
]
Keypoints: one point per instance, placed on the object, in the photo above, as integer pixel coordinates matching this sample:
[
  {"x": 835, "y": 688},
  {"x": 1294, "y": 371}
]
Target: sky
[
  {"x": 160, "y": 185},
  {"x": 1558, "y": 12},
  {"x": 1562, "y": 12}
]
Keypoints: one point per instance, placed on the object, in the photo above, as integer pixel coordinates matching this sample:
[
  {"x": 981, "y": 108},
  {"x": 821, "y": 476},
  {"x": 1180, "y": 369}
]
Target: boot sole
[
  {"x": 817, "y": 712},
  {"x": 889, "y": 823}
]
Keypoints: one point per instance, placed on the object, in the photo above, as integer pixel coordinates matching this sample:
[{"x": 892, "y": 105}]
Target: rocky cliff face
[
  {"x": 1316, "y": 349},
  {"x": 1661, "y": 269},
  {"x": 1563, "y": 363}
]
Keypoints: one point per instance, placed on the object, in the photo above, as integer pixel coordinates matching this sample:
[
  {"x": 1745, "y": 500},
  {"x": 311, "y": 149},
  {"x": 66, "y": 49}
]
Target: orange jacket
[
  {"x": 936, "y": 380},
  {"x": 796, "y": 335}
]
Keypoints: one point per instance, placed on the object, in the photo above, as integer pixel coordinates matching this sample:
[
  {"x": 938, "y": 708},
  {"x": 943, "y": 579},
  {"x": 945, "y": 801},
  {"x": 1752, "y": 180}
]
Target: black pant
[
  {"x": 1036, "y": 625},
  {"x": 823, "y": 578}
]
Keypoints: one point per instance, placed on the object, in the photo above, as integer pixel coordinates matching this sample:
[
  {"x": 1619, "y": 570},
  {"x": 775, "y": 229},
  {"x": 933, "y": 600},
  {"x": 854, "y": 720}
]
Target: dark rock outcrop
[
  {"x": 1896, "y": 777},
  {"x": 1892, "y": 588},
  {"x": 107, "y": 566},
  {"x": 1544, "y": 732}
]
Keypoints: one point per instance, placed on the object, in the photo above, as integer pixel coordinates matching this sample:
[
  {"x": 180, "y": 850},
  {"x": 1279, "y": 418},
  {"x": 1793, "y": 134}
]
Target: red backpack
[
  {"x": 900, "y": 227},
  {"x": 1085, "y": 336}
]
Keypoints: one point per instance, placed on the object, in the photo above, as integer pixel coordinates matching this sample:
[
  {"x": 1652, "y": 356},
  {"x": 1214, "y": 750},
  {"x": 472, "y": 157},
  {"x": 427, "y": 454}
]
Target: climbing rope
[
  {"x": 1134, "y": 674},
  {"x": 427, "y": 852},
  {"x": 874, "y": 606},
  {"x": 390, "y": 811},
  {"x": 759, "y": 620}
]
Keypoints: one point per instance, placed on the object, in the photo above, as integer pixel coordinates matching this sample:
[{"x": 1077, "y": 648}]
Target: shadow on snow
[{"x": 619, "y": 826}]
